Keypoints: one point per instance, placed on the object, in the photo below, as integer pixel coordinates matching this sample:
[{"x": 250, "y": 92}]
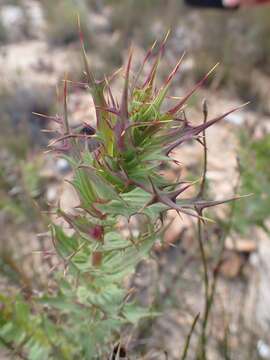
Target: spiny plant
[{"x": 117, "y": 175}]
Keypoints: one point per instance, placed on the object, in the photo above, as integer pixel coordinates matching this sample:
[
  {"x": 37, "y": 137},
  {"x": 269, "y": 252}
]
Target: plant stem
[
  {"x": 203, "y": 339},
  {"x": 210, "y": 296},
  {"x": 202, "y": 185},
  {"x": 184, "y": 355},
  {"x": 222, "y": 248},
  {"x": 66, "y": 124}
]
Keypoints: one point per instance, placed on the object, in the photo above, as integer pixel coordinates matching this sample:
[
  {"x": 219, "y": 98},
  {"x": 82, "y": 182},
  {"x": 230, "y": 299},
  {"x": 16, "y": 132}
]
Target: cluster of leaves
[
  {"x": 255, "y": 179},
  {"x": 117, "y": 176}
]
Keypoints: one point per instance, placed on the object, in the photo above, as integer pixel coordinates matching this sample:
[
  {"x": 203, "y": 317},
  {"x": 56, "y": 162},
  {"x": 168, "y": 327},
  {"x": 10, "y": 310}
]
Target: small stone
[
  {"x": 241, "y": 245},
  {"x": 52, "y": 194},
  {"x": 62, "y": 166},
  {"x": 231, "y": 265},
  {"x": 263, "y": 349},
  {"x": 13, "y": 20}
]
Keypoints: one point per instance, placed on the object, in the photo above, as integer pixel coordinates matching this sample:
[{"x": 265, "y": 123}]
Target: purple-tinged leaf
[
  {"x": 174, "y": 71},
  {"x": 199, "y": 205},
  {"x": 56, "y": 118},
  {"x": 147, "y": 56},
  {"x": 123, "y": 121},
  {"x": 69, "y": 136},
  {"x": 203, "y": 204},
  {"x": 78, "y": 84},
  {"x": 124, "y": 101},
  {"x": 66, "y": 124},
  {"x": 175, "y": 193},
  {"x": 97, "y": 90},
  {"x": 178, "y": 107},
  {"x": 112, "y": 110},
  {"x": 113, "y": 103},
  {"x": 193, "y": 131},
  {"x": 152, "y": 74}
]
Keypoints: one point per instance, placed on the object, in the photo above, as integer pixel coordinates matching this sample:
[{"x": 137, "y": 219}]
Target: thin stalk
[
  {"x": 66, "y": 124},
  {"x": 203, "y": 182},
  {"x": 219, "y": 258},
  {"x": 211, "y": 294},
  {"x": 203, "y": 338},
  {"x": 185, "y": 351}
]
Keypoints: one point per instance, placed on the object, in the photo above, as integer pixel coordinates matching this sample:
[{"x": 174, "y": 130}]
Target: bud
[
  {"x": 96, "y": 258},
  {"x": 97, "y": 232}
]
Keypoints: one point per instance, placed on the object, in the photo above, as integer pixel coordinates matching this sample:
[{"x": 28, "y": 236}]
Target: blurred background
[{"x": 38, "y": 46}]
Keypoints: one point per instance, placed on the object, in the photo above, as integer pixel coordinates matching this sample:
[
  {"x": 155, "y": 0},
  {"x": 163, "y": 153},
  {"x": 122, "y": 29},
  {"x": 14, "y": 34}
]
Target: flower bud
[{"x": 97, "y": 232}]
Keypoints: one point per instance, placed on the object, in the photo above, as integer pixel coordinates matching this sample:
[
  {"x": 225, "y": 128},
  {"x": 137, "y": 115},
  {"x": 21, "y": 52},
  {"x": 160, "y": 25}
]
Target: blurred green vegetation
[
  {"x": 3, "y": 35},
  {"x": 18, "y": 103},
  {"x": 20, "y": 184},
  {"x": 61, "y": 17},
  {"x": 240, "y": 41},
  {"x": 21, "y": 198},
  {"x": 134, "y": 19},
  {"x": 255, "y": 179}
]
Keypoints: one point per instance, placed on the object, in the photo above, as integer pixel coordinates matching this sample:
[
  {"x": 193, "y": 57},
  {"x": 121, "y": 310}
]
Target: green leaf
[
  {"x": 22, "y": 312},
  {"x": 102, "y": 188},
  {"x": 65, "y": 245},
  {"x": 133, "y": 313},
  {"x": 37, "y": 352},
  {"x": 115, "y": 241},
  {"x": 84, "y": 187}
]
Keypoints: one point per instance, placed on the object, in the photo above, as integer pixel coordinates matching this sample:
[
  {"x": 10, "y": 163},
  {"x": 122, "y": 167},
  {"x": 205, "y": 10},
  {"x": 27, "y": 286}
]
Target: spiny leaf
[
  {"x": 178, "y": 107},
  {"x": 193, "y": 131}
]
